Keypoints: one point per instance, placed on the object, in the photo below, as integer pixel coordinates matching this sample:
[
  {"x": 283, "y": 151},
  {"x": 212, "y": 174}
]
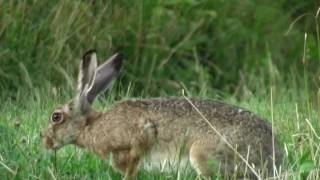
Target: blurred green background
[{"x": 206, "y": 46}]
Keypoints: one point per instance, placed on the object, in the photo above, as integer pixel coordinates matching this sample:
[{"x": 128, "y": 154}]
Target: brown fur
[
  {"x": 133, "y": 129},
  {"x": 161, "y": 131}
]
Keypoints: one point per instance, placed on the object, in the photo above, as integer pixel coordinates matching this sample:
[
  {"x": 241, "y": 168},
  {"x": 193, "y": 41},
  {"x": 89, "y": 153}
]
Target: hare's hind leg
[{"x": 206, "y": 157}]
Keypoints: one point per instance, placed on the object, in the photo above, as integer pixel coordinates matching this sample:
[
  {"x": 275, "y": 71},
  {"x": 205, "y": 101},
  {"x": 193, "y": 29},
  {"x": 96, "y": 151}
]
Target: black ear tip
[
  {"x": 88, "y": 54},
  {"x": 118, "y": 57}
]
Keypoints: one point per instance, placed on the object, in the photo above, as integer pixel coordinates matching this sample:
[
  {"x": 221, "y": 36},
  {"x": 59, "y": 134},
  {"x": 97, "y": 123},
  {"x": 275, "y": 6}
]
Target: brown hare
[{"x": 162, "y": 131}]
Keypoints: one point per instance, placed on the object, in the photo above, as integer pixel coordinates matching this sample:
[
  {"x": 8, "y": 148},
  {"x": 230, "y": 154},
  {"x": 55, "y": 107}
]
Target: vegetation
[{"x": 263, "y": 56}]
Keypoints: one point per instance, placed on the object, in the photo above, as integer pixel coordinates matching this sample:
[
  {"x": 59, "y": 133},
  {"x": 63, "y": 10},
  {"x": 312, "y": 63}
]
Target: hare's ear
[
  {"x": 104, "y": 75},
  {"x": 87, "y": 70},
  {"x": 86, "y": 75}
]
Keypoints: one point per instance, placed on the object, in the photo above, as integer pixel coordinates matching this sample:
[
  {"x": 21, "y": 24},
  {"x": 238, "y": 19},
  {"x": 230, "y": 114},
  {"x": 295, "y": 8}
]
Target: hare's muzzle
[{"x": 47, "y": 141}]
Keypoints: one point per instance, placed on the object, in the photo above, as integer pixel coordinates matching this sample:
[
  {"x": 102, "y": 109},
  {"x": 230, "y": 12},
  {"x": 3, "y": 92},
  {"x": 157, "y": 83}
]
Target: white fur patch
[{"x": 160, "y": 160}]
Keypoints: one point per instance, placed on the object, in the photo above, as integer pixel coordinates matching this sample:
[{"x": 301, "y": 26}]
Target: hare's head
[{"x": 67, "y": 121}]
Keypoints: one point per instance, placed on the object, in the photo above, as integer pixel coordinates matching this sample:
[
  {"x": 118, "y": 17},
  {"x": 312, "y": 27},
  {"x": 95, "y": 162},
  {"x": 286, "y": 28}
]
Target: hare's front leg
[
  {"x": 126, "y": 162},
  {"x": 120, "y": 161}
]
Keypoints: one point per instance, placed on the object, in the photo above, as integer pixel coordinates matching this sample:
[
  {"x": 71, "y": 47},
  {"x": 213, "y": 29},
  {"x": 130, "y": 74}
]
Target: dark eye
[{"x": 56, "y": 117}]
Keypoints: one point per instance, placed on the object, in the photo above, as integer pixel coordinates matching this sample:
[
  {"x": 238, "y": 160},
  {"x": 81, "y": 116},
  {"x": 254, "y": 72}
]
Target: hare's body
[
  {"x": 209, "y": 135},
  {"x": 167, "y": 132}
]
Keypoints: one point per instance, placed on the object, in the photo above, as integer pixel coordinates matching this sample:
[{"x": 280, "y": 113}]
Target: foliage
[{"x": 167, "y": 44}]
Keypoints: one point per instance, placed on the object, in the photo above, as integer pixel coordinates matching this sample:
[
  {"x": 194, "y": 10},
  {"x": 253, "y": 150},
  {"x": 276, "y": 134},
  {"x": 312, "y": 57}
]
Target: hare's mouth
[{"x": 49, "y": 143}]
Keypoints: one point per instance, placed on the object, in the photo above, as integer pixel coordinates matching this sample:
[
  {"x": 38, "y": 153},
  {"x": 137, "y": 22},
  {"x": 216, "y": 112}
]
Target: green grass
[{"x": 22, "y": 156}]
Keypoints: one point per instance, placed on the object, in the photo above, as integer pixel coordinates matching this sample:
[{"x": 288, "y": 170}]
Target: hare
[{"x": 162, "y": 130}]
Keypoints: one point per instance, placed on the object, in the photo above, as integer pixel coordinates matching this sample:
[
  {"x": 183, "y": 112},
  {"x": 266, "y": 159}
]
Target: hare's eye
[{"x": 56, "y": 117}]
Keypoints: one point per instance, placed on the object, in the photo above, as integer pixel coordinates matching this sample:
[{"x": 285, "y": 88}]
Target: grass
[{"x": 22, "y": 156}]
